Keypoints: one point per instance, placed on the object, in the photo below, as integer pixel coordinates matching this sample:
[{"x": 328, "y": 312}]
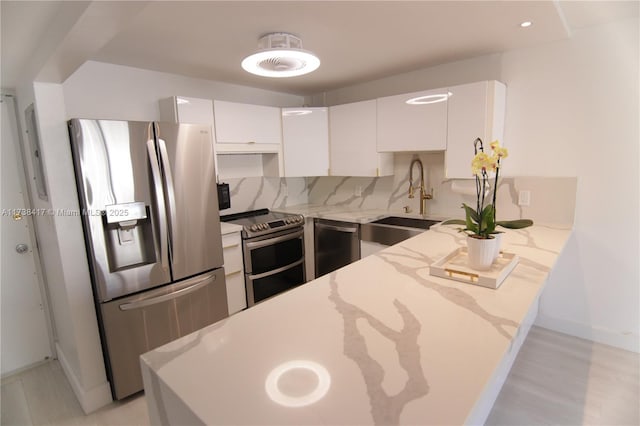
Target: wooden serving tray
[{"x": 454, "y": 267}]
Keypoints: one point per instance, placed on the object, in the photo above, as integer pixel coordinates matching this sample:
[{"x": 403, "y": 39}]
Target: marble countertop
[
  {"x": 380, "y": 341},
  {"x": 346, "y": 214},
  {"x": 229, "y": 228}
]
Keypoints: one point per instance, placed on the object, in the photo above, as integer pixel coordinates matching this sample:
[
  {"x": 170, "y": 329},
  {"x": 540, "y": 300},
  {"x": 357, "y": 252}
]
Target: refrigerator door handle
[
  {"x": 196, "y": 284},
  {"x": 162, "y": 215},
  {"x": 169, "y": 185}
]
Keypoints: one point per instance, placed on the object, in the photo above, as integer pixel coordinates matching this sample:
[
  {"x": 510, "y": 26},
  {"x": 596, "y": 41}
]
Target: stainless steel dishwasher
[{"x": 336, "y": 244}]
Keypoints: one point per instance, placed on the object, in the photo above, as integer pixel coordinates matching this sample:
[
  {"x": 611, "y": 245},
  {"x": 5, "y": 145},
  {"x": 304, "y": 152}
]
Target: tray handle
[{"x": 472, "y": 277}]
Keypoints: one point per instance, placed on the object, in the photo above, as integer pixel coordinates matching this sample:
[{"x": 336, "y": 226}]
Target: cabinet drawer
[{"x": 232, "y": 252}]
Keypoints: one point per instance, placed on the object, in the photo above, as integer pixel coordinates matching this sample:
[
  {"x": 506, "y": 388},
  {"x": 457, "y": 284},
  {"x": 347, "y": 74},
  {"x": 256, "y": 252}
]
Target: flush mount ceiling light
[
  {"x": 526, "y": 24},
  {"x": 280, "y": 55}
]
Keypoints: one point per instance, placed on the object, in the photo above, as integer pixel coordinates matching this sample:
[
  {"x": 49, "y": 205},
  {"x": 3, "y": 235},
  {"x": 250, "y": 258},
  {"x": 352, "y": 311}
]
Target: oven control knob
[
  {"x": 254, "y": 227},
  {"x": 287, "y": 221},
  {"x": 265, "y": 226}
]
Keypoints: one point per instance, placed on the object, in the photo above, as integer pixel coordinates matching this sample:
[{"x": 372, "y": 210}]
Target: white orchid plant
[{"x": 481, "y": 221}]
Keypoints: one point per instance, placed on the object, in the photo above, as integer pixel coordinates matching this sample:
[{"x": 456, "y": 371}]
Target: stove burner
[{"x": 261, "y": 222}]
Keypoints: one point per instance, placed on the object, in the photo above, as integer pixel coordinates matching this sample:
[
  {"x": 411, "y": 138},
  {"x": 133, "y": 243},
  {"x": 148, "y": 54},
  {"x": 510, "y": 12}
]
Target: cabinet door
[
  {"x": 420, "y": 125},
  {"x": 234, "y": 272},
  {"x": 181, "y": 109},
  {"x": 475, "y": 110},
  {"x": 305, "y": 144},
  {"x": 244, "y": 123},
  {"x": 353, "y": 135}
]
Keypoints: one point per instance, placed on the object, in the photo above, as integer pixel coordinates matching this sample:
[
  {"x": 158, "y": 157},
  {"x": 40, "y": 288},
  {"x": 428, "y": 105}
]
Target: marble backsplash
[
  {"x": 252, "y": 193},
  {"x": 552, "y": 200}
]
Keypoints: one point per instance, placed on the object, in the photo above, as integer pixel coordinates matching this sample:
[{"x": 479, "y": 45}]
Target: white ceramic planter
[
  {"x": 481, "y": 252},
  {"x": 497, "y": 245}
]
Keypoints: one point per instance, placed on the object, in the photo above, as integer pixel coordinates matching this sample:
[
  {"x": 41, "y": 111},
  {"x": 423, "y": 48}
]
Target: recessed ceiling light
[
  {"x": 280, "y": 55},
  {"x": 526, "y": 24}
]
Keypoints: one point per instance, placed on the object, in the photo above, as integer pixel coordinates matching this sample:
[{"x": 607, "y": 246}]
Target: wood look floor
[{"x": 556, "y": 380}]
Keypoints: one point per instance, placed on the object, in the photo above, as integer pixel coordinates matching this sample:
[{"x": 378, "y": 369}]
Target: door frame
[{"x": 23, "y": 177}]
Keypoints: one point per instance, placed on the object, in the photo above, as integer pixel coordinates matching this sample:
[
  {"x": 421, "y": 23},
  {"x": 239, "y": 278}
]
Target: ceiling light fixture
[
  {"x": 280, "y": 55},
  {"x": 526, "y": 24}
]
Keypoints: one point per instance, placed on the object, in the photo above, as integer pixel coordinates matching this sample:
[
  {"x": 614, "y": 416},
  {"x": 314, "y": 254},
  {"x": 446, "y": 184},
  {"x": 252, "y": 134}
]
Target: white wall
[
  {"x": 61, "y": 247},
  {"x": 572, "y": 110},
  {"x": 108, "y": 91}
]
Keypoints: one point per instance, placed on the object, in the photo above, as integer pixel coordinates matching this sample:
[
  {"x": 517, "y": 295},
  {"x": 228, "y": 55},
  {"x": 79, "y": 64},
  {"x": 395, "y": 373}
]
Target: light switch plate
[{"x": 524, "y": 198}]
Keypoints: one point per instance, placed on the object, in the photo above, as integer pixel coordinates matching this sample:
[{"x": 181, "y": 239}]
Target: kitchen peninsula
[{"x": 377, "y": 342}]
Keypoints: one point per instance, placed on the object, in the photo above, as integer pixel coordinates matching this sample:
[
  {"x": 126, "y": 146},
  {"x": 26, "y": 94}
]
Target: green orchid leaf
[
  {"x": 469, "y": 223},
  {"x": 489, "y": 219},
  {"x": 471, "y": 213},
  {"x": 515, "y": 224},
  {"x": 454, "y": 222}
]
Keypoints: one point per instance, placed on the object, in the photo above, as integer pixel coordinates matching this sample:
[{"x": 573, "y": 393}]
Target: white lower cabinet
[{"x": 234, "y": 272}]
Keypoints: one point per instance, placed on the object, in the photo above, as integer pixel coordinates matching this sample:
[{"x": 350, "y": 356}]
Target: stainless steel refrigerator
[{"x": 152, "y": 232}]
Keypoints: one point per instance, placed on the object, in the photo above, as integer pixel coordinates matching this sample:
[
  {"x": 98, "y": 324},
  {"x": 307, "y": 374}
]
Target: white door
[{"x": 24, "y": 330}]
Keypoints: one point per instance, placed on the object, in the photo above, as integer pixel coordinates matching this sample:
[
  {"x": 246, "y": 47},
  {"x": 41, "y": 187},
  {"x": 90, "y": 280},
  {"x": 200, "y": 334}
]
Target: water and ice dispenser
[{"x": 128, "y": 235}]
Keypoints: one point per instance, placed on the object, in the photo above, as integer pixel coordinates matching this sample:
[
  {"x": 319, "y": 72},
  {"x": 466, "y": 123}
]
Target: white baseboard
[
  {"x": 92, "y": 399},
  {"x": 628, "y": 341}
]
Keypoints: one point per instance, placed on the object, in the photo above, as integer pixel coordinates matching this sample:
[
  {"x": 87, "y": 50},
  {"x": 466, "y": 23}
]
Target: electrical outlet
[
  {"x": 358, "y": 191},
  {"x": 524, "y": 198}
]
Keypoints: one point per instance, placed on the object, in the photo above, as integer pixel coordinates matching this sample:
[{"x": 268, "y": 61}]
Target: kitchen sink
[
  {"x": 393, "y": 229},
  {"x": 407, "y": 222}
]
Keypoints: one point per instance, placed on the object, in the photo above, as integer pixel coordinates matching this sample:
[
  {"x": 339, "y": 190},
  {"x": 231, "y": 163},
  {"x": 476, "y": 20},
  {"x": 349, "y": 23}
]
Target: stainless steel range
[{"x": 273, "y": 252}]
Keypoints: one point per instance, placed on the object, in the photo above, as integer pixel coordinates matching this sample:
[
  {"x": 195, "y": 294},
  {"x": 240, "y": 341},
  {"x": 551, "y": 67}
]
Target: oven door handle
[
  {"x": 275, "y": 240},
  {"x": 276, "y": 271}
]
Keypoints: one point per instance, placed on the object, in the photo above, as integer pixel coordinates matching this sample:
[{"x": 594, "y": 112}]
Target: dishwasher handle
[{"x": 350, "y": 230}]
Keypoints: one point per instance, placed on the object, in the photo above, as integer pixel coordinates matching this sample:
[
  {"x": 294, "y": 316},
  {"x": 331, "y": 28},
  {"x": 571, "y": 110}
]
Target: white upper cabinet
[
  {"x": 353, "y": 140},
  {"x": 305, "y": 145},
  {"x": 413, "y": 121},
  {"x": 181, "y": 109},
  {"x": 238, "y": 123},
  {"x": 475, "y": 110}
]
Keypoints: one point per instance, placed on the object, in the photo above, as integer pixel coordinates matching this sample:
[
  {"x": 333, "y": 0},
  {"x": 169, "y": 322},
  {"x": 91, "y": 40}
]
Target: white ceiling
[{"x": 356, "y": 41}]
